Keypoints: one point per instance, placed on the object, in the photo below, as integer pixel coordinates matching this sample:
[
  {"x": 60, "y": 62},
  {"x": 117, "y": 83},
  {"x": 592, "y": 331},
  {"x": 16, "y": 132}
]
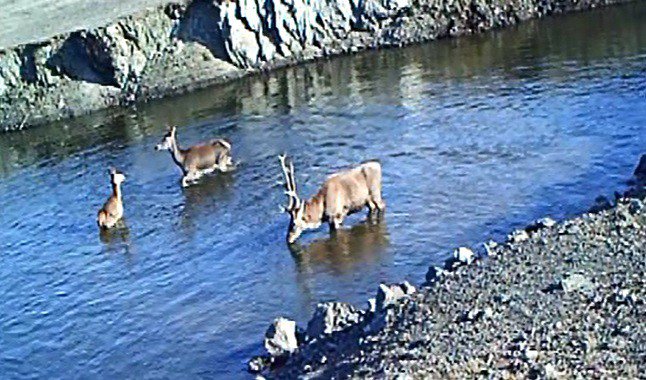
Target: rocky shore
[
  {"x": 556, "y": 300},
  {"x": 183, "y": 45}
]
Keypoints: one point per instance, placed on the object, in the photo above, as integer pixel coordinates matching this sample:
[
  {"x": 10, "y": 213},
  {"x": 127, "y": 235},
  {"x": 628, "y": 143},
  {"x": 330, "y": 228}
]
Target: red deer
[
  {"x": 198, "y": 159},
  {"x": 112, "y": 210},
  {"x": 342, "y": 193}
]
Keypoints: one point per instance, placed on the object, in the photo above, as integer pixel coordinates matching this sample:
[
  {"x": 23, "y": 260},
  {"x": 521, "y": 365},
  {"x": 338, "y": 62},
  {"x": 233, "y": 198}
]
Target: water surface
[{"x": 477, "y": 136}]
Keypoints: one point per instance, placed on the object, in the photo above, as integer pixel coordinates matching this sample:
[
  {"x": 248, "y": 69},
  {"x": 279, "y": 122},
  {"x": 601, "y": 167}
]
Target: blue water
[{"x": 477, "y": 136}]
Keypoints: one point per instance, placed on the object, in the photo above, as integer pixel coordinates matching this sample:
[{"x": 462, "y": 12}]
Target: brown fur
[
  {"x": 199, "y": 159},
  {"x": 343, "y": 193},
  {"x": 112, "y": 210}
]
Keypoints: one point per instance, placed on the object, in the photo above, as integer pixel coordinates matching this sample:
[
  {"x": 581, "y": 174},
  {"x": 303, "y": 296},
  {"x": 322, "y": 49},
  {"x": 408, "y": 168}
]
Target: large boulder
[
  {"x": 330, "y": 317},
  {"x": 388, "y": 295},
  {"x": 280, "y": 338},
  {"x": 464, "y": 255}
]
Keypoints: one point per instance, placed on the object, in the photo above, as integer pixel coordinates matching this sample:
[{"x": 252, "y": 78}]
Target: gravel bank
[
  {"x": 186, "y": 44},
  {"x": 554, "y": 301}
]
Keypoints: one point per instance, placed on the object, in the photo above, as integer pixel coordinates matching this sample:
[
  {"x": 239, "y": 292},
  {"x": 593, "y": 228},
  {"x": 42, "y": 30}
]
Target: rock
[
  {"x": 490, "y": 248},
  {"x": 551, "y": 372},
  {"x": 388, "y": 295},
  {"x": 601, "y": 203},
  {"x": 635, "y": 206},
  {"x": 640, "y": 170},
  {"x": 258, "y": 364},
  {"x": 280, "y": 338},
  {"x": 531, "y": 354},
  {"x": 434, "y": 273},
  {"x": 540, "y": 223},
  {"x": 464, "y": 255},
  {"x": 372, "y": 304},
  {"x": 577, "y": 282},
  {"x": 330, "y": 317},
  {"x": 518, "y": 236}
]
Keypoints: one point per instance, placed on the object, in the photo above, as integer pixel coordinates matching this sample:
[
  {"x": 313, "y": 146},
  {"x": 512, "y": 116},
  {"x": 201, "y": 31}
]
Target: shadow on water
[{"x": 345, "y": 249}]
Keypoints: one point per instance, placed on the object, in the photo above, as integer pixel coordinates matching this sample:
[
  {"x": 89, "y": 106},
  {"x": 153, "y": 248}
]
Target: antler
[{"x": 290, "y": 183}]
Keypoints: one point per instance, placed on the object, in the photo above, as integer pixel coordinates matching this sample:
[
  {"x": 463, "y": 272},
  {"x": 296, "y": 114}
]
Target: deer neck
[
  {"x": 116, "y": 190},
  {"x": 314, "y": 207},
  {"x": 176, "y": 153}
]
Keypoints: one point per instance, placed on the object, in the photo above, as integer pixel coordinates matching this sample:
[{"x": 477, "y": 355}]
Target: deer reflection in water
[
  {"x": 205, "y": 198},
  {"x": 119, "y": 234},
  {"x": 344, "y": 248}
]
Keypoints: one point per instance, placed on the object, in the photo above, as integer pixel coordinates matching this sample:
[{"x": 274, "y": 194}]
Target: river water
[{"x": 477, "y": 136}]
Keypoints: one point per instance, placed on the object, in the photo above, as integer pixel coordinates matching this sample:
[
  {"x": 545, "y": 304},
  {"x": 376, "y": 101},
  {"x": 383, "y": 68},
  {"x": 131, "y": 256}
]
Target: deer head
[
  {"x": 168, "y": 141},
  {"x": 116, "y": 177},
  {"x": 300, "y": 219}
]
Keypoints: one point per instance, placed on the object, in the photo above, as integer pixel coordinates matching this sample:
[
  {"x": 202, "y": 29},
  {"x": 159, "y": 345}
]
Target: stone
[
  {"x": 490, "y": 248},
  {"x": 434, "y": 273},
  {"x": 635, "y": 206},
  {"x": 331, "y": 317},
  {"x": 280, "y": 338},
  {"x": 518, "y": 236},
  {"x": 577, "y": 282},
  {"x": 540, "y": 223},
  {"x": 372, "y": 304},
  {"x": 601, "y": 203},
  {"x": 258, "y": 364},
  {"x": 388, "y": 295},
  {"x": 464, "y": 255},
  {"x": 531, "y": 354}
]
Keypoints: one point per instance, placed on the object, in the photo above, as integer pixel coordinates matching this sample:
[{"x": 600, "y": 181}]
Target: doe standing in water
[
  {"x": 112, "y": 210},
  {"x": 198, "y": 159},
  {"x": 343, "y": 193}
]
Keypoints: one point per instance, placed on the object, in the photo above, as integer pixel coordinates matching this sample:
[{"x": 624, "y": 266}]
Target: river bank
[
  {"x": 555, "y": 300},
  {"x": 182, "y": 46}
]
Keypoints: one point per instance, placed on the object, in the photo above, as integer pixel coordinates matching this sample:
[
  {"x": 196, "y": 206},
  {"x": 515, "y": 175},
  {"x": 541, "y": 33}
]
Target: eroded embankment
[
  {"x": 189, "y": 44},
  {"x": 554, "y": 301}
]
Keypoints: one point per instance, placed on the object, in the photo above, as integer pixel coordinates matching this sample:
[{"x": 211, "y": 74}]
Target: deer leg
[
  {"x": 336, "y": 222},
  {"x": 375, "y": 198},
  {"x": 379, "y": 203},
  {"x": 190, "y": 177}
]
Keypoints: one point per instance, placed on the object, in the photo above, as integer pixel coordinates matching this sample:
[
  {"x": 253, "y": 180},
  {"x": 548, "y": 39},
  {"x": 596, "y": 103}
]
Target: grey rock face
[
  {"x": 280, "y": 338},
  {"x": 137, "y": 57},
  {"x": 330, "y": 317}
]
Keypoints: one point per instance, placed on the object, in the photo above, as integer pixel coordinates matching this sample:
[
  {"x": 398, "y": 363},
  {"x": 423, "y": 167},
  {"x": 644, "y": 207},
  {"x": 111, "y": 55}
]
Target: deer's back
[
  {"x": 351, "y": 188},
  {"x": 204, "y": 156}
]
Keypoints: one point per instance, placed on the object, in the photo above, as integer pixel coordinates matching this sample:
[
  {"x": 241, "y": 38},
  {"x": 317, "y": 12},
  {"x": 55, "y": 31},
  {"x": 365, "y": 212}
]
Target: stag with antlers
[{"x": 341, "y": 194}]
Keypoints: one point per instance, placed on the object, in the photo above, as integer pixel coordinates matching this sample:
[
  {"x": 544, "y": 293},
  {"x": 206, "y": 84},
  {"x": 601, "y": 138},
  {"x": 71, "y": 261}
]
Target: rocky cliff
[{"x": 185, "y": 45}]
